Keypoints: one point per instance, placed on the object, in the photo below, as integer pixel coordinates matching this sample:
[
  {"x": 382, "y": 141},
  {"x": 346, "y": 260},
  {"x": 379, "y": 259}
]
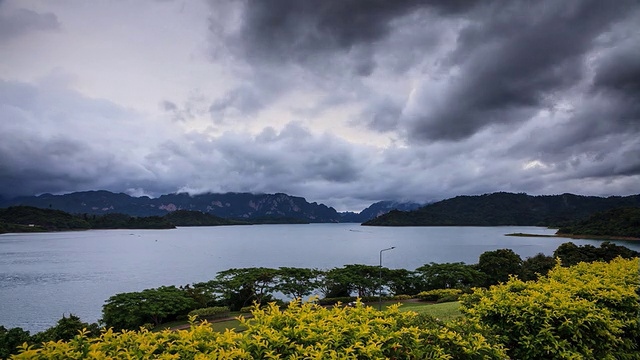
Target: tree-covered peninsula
[
  {"x": 621, "y": 222},
  {"x": 32, "y": 219},
  {"x": 501, "y": 209}
]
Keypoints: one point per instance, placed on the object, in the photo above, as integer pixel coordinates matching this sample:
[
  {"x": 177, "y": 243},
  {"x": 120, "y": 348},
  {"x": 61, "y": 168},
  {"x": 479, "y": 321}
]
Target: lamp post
[{"x": 380, "y": 279}]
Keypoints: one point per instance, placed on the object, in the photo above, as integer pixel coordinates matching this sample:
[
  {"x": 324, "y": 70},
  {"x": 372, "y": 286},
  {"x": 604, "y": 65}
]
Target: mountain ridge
[{"x": 238, "y": 206}]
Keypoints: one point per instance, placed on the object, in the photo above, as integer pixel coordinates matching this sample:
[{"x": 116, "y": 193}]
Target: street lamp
[{"x": 380, "y": 276}]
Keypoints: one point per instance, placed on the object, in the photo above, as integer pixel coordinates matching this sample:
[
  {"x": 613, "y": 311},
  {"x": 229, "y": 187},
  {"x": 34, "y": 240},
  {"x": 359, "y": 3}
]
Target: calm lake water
[{"x": 48, "y": 275}]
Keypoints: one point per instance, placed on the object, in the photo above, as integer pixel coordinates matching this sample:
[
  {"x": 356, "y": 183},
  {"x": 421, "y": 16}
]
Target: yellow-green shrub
[
  {"x": 587, "y": 311},
  {"x": 439, "y": 294},
  {"x": 302, "y": 331},
  {"x": 210, "y": 312}
]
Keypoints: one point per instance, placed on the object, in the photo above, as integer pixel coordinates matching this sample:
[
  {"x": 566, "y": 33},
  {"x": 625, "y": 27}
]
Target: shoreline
[{"x": 577, "y": 237}]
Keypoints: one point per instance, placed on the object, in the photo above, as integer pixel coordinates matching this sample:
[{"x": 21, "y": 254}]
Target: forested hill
[
  {"x": 502, "y": 208},
  {"x": 31, "y": 219},
  {"x": 623, "y": 222}
]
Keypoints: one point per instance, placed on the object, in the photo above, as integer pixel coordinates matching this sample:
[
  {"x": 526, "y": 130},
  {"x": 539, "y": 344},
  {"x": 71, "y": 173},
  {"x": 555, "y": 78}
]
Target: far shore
[{"x": 574, "y": 236}]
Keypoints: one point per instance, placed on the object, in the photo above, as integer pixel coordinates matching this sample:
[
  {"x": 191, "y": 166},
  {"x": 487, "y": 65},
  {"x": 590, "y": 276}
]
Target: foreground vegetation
[
  {"x": 587, "y": 311},
  {"x": 233, "y": 289}
]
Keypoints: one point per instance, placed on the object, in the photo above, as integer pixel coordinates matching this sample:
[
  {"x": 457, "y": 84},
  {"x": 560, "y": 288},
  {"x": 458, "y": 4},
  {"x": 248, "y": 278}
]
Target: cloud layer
[{"x": 343, "y": 102}]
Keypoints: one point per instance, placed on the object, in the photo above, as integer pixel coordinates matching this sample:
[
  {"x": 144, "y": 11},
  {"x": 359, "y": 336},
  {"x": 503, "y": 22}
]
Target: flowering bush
[
  {"x": 302, "y": 331},
  {"x": 587, "y": 311},
  {"x": 440, "y": 294}
]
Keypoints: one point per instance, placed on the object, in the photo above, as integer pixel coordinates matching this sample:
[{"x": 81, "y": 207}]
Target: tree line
[
  {"x": 32, "y": 219},
  {"x": 238, "y": 288}
]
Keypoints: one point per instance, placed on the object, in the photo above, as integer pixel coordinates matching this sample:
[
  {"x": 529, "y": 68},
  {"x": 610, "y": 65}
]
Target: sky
[{"x": 342, "y": 102}]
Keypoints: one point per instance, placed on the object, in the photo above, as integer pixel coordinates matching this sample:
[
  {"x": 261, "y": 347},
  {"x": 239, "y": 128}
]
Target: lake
[{"x": 44, "y": 276}]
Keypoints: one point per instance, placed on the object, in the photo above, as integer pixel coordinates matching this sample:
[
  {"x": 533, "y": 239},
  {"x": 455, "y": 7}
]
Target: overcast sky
[{"x": 342, "y": 102}]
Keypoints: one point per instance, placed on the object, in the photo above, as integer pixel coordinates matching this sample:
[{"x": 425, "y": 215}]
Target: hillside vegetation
[
  {"x": 499, "y": 209},
  {"x": 32, "y": 219},
  {"x": 623, "y": 222}
]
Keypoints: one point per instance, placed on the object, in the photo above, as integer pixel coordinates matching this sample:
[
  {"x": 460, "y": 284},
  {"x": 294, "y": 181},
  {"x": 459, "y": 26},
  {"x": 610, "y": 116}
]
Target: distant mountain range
[
  {"x": 502, "y": 208},
  {"x": 240, "y": 206}
]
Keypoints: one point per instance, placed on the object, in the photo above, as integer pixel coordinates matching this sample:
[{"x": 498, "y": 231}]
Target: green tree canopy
[
  {"x": 241, "y": 287},
  {"x": 449, "y": 275},
  {"x": 296, "y": 282},
  {"x": 134, "y": 309},
  {"x": 499, "y": 264},
  {"x": 535, "y": 266}
]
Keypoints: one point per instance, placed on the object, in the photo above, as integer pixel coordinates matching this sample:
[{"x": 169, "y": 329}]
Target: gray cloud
[
  {"x": 511, "y": 61},
  {"x": 465, "y": 97},
  {"x": 18, "y": 22}
]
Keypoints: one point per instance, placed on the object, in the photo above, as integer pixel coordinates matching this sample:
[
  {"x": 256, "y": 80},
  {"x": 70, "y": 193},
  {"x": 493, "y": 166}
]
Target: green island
[{"x": 580, "y": 303}]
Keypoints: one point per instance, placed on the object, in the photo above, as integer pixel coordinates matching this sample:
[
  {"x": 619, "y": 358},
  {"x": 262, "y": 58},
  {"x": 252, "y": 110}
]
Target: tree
[
  {"x": 11, "y": 339},
  {"x": 536, "y": 266},
  {"x": 66, "y": 329},
  {"x": 132, "y": 310},
  {"x": 203, "y": 294},
  {"x": 296, "y": 282},
  {"x": 241, "y": 287},
  {"x": 571, "y": 254},
  {"x": 402, "y": 282},
  {"x": 449, "y": 275},
  {"x": 498, "y": 265},
  {"x": 363, "y": 279}
]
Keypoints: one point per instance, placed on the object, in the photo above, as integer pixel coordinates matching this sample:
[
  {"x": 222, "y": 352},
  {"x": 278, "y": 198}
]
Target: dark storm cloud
[
  {"x": 619, "y": 70},
  {"x": 511, "y": 61},
  {"x": 307, "y": 32},
  {"x": 14, "y": 23},
  {"x": 55, "y": 140}
]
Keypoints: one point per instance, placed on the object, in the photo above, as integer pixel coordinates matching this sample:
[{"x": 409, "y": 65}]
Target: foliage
[
  {"x": 203, "y": 294},
  {"x": 535, "y": 266},
  {"x": 449, "y": 275},
  {"x": 242, "y": 287},
  {"x": 571, "y": 254},
  {"x": 624, "y": 222},
  {"x": 505, "y": 209},
  {"x": 498, "y": 265},
  {"x": 588, "y": 311},
  {"x": 10, "y": 339},
  {"x": 439, "y": 294},
  {"x": 402, "y": 281},
  {"x": 65, "y": 329},
  {"x": 213, "y": 312},
  {"x": 358, "y": 278},
  {"x": 302, "y": 331},
  {"x": 29, "y": 219},
  {"x": 16, "y": 218},
  {"x": 134, "y": 309},
  {"x": 296, "y": 282}
]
